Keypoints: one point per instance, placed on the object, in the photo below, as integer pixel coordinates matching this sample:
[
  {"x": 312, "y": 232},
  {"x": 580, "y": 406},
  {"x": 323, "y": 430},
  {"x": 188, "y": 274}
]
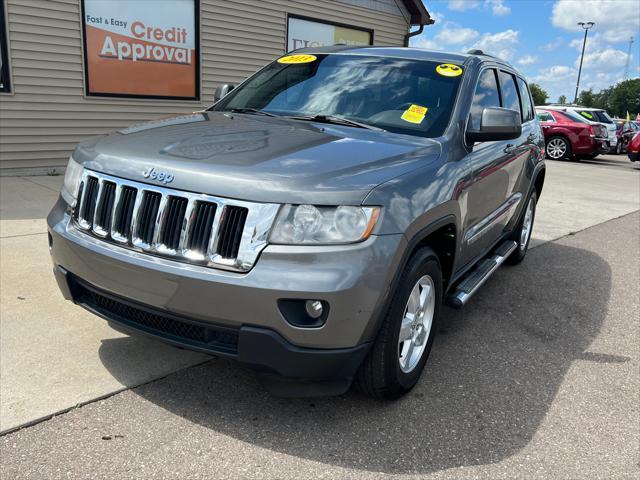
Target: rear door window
[
  {"x": 509, "y": 92},
  {"x": 545, "y": 117},
  {"x": 486, "y": 95},
  {"x": 575, "y": 117},
  {"x": 589, "y": 115},
  {"x": 525, "y": 101},
  {"x": 603, "y": 116}
]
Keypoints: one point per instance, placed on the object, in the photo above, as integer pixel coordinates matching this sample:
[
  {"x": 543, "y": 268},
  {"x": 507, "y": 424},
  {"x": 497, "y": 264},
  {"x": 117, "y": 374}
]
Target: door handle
[
  {"x": 531, "y": 137},
  {"x": 545, "y": 126},
  {"x": 510, "y": 148}
]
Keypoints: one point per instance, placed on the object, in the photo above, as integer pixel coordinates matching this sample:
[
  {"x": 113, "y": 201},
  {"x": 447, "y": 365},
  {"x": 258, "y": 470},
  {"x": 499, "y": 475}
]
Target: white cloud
[
  {"x": 555, "y": 74},
  {"x": 463, "y": 5},
  {"x": 449, "y": 37},
  {"x": 592, "y": 39},
  {"x": 552, "y": 45},
  {"x": 498, "y": 7},
  {"x": 501, "y": 44},
  {"x": 616, "y": 20},
  {"x": 456, "y": 38},
  {"x": 528, "y": 60},
  {"x": 561, "y": 80},
  {"x": 557, "y": 80},
  {"x": 429, "y": 44},
  {"x": 452, "y": 34},
  {"x": 576, "y": 43},
  {"x": 436, "y": 16},
  {"x": 609, "y": 58}
]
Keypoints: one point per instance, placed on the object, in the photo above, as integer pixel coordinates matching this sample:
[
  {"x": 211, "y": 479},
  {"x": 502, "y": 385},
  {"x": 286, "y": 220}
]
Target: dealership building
[{"x": 72, "y": 69}]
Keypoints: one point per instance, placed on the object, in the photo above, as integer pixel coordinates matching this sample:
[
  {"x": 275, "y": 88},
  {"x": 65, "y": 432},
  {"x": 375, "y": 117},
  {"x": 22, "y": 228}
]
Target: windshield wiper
[
  {"x": 254, "y": 111},
  {"x": 335, "y": 120}
]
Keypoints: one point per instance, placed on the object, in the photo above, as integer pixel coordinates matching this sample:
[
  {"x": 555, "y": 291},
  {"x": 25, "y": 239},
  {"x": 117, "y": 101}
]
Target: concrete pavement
[
  {"x": 536, "y": 378},
  {"x": 578, "y": 195},
  {"x": 49, "y": 349},
  {"x": 54, "y": 355}
]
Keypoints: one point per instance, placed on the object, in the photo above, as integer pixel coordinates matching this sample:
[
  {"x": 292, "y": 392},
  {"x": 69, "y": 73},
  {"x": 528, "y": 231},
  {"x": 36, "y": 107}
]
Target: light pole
[{"x": 586, "y": 27}]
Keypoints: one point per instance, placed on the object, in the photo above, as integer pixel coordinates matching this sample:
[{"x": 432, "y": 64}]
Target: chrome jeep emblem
[{"x": 154, "y": 174}]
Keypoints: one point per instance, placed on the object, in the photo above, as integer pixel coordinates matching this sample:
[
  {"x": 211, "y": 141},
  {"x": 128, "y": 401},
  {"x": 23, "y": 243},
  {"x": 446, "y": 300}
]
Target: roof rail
[{"x": 476, "y": 52}]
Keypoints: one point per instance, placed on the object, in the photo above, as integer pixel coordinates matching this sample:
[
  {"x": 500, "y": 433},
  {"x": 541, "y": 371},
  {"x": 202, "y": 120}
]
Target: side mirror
[
  {"x": 496, "y": 124},
  {"x": 222, "y": 90}
]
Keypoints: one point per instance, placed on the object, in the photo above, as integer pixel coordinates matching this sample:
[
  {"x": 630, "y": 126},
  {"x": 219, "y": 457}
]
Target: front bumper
[{"x": 353, "y": 280}]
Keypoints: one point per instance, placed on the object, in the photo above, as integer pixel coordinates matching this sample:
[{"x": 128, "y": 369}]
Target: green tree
[
  {"x": 562, "y": 100},
  {"x": 617, "y": 99},
  {"x": 539, "y": 95},
  {"x": 625, "y": 97},
  {"x": 586, "y": 98},
  {"x": 603, "y": 99}
]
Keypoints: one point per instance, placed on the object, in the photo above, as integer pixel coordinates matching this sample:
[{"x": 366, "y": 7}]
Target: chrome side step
[{"x": 480, "y": 274}]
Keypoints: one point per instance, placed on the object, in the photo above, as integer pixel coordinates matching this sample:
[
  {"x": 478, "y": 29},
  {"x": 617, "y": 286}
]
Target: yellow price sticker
[
  {"x": 297, "y": 59},
  {"x": 414, "y": 114},
  {"x": 449, "y": 70}
]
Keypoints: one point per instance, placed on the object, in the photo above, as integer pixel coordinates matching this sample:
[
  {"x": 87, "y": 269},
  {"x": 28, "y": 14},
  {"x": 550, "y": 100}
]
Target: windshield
[{"x": 400, "y": 95}]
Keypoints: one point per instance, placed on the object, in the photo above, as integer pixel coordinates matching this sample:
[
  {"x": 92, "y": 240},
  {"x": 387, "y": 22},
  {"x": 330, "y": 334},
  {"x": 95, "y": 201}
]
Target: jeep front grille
[{"x": 187, "y": 227}]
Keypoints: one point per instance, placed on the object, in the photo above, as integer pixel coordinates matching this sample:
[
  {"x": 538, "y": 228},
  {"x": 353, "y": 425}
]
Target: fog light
[{"x": 313, "y": 308}]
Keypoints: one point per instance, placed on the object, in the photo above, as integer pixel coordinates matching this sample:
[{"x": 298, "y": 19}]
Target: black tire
[
  {"x": 567, "y": 150},
  {"x": 521, "y": 250},
  {"x": 380, "y": 375},
  {"x": 590, "y": 156}
]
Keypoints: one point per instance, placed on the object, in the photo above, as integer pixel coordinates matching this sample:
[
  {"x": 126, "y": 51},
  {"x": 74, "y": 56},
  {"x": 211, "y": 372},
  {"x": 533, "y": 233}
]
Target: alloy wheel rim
[
  {"x": 527, "y": 223},
  {"x": 556, "y": 148},
  {"x": 416, "y": 324}
]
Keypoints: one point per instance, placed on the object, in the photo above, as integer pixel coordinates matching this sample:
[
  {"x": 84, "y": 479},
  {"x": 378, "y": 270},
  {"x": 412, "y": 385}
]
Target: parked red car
[
  {"x": 567, "y": 135},
  {"x": 625, "y": 131},
  {"x": 633, "y": 149}
]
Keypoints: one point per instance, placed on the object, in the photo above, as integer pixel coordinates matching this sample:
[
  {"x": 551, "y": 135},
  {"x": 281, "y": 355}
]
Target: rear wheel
[
  {"x": 619, "y": 147},
  {"x": 558, "y": 148},
  {"x": 402, "y": 346}
]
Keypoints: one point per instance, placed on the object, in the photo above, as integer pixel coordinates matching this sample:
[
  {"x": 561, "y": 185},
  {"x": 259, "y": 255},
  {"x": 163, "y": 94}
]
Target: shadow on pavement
[
  {"x": 619, "y": 162},
  {"x": 492, "y": 376}
]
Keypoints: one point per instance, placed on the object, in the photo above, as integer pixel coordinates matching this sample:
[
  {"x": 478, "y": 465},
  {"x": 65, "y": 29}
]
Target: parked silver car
[{"x": 311, "y": 223}]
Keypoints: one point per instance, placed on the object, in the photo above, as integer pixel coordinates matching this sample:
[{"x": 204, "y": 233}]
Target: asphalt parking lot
[{"x": 538, "y": 377}]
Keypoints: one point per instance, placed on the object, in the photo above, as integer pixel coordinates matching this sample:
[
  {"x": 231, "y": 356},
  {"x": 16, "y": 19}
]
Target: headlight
[
  {"x": 309, "y": 225},
  {"x": 72, "y": 179}
]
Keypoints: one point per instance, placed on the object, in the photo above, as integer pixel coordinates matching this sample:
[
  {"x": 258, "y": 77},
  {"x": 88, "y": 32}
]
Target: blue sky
[{"x": 541, "y": 38}]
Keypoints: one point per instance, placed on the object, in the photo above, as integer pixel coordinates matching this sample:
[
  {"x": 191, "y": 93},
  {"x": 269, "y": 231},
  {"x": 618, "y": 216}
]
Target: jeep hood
[{"x": 259, "y": 158}]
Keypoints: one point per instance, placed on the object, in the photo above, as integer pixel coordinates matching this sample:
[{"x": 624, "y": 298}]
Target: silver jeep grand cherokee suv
[{"x": 310, "y": 223}]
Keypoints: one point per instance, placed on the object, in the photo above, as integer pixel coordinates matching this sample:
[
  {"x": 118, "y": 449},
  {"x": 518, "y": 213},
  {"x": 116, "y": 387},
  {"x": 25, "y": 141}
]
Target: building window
[
  {"x": 305, "y": 32},
  {"x": 140, "y": 48},
  {"x": 5, "y": 75}
]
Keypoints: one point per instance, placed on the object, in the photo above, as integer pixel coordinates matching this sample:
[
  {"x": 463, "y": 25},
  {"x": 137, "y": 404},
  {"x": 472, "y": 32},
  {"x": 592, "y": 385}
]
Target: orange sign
[{"x": 136, "y": 48}]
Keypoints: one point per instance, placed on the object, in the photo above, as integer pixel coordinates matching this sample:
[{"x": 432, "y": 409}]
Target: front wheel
[
  {"x": 400, "y": 351},
  {"x": 522, "y": 234}
]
